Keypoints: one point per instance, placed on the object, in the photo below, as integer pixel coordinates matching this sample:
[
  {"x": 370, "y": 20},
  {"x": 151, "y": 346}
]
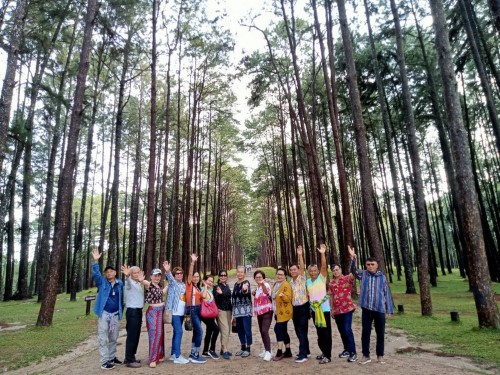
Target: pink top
[
  {"x": 340, "y": 293},
  {"x": 261, "y": 301}
]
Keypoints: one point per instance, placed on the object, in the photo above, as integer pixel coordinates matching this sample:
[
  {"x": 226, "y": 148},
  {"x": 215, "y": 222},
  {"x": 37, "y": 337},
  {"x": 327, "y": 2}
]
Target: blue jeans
[
  {"x": 177, "y": 321},
  {"x": 300, "y": 318},
  {"x": 344, "y": 325},
  {"x": 244, "y": 328},
  {"x": 367, "y": 318},
  {"x": 197, "y": 329}
]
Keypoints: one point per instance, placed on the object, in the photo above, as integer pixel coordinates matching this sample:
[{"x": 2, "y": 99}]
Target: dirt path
[{"x": 401, "y": 358}]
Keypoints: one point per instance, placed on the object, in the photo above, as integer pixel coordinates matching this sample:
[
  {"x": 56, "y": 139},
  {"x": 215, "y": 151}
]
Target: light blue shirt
[{"x": 134, "y": 295}]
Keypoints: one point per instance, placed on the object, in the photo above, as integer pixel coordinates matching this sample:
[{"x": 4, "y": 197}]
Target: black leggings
[{"x": 211, "y": 334}]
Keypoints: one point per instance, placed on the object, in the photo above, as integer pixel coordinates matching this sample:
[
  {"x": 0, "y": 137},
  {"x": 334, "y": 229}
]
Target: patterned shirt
[
  {"x": 282, "y": 304},
  {"x": 261, "y": 301},
  {"x": 299, "y": 290},
  {"x": 375, "y": 294},
  {"x": 340, "y": 293},
  {"x": 242, "y": 301},
  {"x": 154, "y": 294},
  {"x": 175, "y": 290},
  {"x": 317, "y": 291}
]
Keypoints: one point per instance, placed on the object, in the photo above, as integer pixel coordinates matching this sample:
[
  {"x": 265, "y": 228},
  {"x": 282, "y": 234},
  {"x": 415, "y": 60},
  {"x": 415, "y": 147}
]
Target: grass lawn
[
  {"x": 32, "y": 344},
  {"x": 461, "y": 338}
]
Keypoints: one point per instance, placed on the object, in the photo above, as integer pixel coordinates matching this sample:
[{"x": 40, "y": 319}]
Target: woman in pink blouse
[
  {"x": 342, "y": 308},
  {"x": 263, "y": 308}
]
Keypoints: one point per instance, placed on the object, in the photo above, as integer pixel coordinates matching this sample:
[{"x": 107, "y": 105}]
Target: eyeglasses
[
  {"x": 179, "y": 273},
  {"x": 258, "y": 277},
  {"x": 223, "y": 275},
  {"x": 280, "y": 274}
]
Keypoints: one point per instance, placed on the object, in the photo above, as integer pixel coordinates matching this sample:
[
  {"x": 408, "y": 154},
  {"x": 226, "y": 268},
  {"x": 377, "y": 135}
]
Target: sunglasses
[
  {"x": 223, "y": 275},
  {"x": 371, "y": 264},
  {"x": 179, "y": 273}
]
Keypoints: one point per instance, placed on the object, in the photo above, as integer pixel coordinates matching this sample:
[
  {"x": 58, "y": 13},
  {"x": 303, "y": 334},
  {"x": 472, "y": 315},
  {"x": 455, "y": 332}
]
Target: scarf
[{"x": 319, "y": 318}]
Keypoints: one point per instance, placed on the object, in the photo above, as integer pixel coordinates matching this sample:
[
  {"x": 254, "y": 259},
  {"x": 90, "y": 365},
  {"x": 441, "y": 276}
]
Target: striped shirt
[
  {"x": 375, "y": 294},
  {"x": 175, "y": 290}
]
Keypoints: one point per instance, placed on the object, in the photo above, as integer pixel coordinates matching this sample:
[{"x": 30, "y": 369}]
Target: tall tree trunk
[
  {"x": 487, "y": 309},
  {"x": 151, "y": 225},
  {"x": 418, "y": 196},
  {"x": 367, "y": 193},
  {"x": 64, "y": 203},
  {"x": 9, "y": 83}
]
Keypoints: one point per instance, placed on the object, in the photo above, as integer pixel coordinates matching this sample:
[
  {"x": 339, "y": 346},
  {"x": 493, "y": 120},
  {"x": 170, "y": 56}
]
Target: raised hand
[
  {"x": 96, "y": 254},
  {"x": 166, "y": 266},
  {"x": 219, "y": 290},
  {"x": 194, "y": 257},
  {"x": 352, "y": 253},
  {"x": 300, "y": 251},
  {"x": 322, "y": 248},
  {"x": 125, "y": 270},
  {"x": 245, "y": 287},
  {"x": 141, "y": 276}
]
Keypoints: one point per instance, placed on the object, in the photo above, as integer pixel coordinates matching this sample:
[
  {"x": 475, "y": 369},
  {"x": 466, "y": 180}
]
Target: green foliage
[{"x": 463, "y": 338}]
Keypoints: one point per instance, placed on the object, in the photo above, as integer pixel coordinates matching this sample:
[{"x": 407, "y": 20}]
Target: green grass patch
[
  {"x": 463, "y": 338},
  {"x": 32, "y": 344}
]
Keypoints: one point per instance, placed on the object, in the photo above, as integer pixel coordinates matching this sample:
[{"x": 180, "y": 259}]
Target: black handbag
[{"x": 188, "y": 323}]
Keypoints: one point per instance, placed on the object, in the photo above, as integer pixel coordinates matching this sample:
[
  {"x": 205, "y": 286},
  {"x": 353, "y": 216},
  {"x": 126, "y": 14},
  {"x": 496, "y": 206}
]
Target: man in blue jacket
[
  {"x": 376, "y": 304},
  {"x": 109, "y": 308}
]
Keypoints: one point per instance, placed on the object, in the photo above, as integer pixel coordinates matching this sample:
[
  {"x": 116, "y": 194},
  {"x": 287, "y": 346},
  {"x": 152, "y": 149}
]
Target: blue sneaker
[
  {"x": 195, "y": 358},
  {"x": 226, "y": 355}
]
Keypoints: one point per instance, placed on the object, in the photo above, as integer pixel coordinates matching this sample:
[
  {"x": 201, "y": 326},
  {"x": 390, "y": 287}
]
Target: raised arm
[
  {"x": 354, "y": 271},
  {"x": 324, "y": 267},
  {"x": 194, "y": 258},
  {"x": 96, "y": 273},
  {"x": 168, "y": 274},
  {"x": 300, "y": 257}
]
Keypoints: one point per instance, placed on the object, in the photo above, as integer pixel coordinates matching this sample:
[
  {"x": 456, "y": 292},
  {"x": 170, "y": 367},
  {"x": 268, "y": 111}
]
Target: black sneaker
[
  {"x": 320, "y": 357},
  {"x": 107, "y": 366},
  {"x": 212, "y": 354},
  {"x": 344, "y": 354},
  {"x": 205, "y": 355},
  {"x": 352, "y": 358},
  {"x": 116, "y": 361}
]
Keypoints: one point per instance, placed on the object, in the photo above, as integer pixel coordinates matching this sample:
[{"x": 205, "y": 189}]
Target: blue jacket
[{"x": 104, "y": 287}]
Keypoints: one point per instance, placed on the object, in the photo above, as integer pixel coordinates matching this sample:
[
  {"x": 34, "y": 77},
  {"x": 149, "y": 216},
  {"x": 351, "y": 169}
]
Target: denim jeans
[
  {"x": 177, "y": 321},
  {"x": 197, "y": 329},
  {"x": 134, "y": 323},
  {"x": 367, "y": 318},
  {"x": 301, "y": 316},
  {"x": 344, "y": 325},
  {"x": 244, "y": 327}
]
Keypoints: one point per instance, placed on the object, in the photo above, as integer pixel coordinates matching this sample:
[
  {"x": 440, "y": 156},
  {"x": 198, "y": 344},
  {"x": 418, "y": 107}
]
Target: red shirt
[{"x": 340, "y": 292}]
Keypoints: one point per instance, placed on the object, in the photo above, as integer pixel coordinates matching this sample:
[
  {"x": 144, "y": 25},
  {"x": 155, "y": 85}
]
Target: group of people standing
[{"x": 298, "y": 300}]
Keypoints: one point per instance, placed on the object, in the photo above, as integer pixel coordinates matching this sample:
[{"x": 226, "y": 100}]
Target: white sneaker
[
  {"x": 172, "y": 358},
  {"x": 180, "y": 360},
  {"x": 261, "y": 355},
  {"x": 268, "y": 356}
]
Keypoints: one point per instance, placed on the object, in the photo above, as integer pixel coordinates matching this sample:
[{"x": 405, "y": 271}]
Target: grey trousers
[{"x": 108, "y": 327}]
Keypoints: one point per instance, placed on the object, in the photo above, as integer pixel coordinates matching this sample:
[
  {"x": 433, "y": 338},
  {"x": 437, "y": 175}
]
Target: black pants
[
  {"x": 134, "y": 323},
  {"x": 211, "y": 334},
  {"x": 301, "y": 316},
  {"x": 325, "y": 336}
]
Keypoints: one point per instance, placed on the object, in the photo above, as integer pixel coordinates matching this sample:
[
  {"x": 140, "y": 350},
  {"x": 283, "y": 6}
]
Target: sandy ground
[{"x": 402, "y": 357}]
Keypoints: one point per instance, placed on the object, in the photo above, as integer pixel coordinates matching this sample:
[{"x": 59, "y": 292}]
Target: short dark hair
[
  {"x": 222, "y": 271},
  {"x": 282, "y": 269},
  {"x": 261, "y": 272},
  {"x": 371, "y": 259},
  {"x": 109, "y": 267}
]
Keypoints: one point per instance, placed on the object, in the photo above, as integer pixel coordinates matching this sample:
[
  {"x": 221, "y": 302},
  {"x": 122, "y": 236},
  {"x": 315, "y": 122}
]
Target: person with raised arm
[
  {"x": 193, "y": 306},
  {"x": 134, "y": 301},
  {"x": 211, "y": 324},
  {"x": 176, "y": 302},
  {"x": 222, "y": 295},
  {"x": 320, "y": 306},
  {"x": 376, "y": 304},
  {"x": 154, "y": 317},
  {"x": 263, "y": 309},
  {"x": 242, "y": 311},
  {"x": 283, "y": 312},
  {"x": 300, "y": 303},
  {"x": 109, "y": 309},
  {"x": 343, "y": 307}
]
